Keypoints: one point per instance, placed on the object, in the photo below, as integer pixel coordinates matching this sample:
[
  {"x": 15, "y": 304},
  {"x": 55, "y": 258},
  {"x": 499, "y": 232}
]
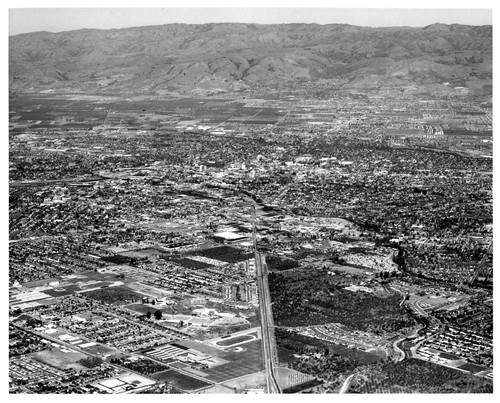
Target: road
[
  {"x": 55, "y": 181},
  {"x": 65, "y": 344},
  {"x": 416, "y": 305},
  {"x": 347, "y": 383},
  {"x": 73, "y": 347},
  {"x": 35, "y": 238},
  {"x": 399, "y": 355},
  {"x": 339, "y": 335},
  {"x": 269, "y": 348}
]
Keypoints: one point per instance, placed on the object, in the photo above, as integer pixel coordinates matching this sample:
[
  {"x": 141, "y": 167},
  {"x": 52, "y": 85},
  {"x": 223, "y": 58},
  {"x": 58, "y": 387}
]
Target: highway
[{"x": 269, "y": 348}]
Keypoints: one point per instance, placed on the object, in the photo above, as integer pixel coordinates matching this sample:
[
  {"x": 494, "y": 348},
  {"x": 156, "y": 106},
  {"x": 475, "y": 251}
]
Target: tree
[
  {"x": 90, "y": 362},
  {"x": 148, "y": 315},
  {"x": 33, "y": 322},
  {"x": 158, "y": 315}
]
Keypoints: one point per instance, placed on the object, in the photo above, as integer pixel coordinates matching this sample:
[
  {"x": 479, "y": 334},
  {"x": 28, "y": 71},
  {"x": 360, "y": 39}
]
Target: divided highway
[{"x": 269, "y": 348}]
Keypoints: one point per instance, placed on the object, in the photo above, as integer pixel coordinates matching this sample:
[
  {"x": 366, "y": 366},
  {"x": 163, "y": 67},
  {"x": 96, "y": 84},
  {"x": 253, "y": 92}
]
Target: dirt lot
[{"x": 60, "y": 359}]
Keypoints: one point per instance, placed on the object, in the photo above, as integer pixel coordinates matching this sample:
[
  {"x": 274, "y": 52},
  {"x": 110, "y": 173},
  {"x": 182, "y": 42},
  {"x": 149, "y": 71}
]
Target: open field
[
  {"x": 114, "y": 295},
  {"x": 472, "y": 368},
  {"x": 144, "y": 308},
  {"x": 61, "y": 359},
  {"x": 181, "y": 381},
  {"x": 417, "y": 376},
  {"x": 244, "y": 362},
  {"x": 255, "y": 380},
  {"x": 141, "y": 253},
  {"x": 235, "y": 340},
  {"x": 99, "y": 349},
  {"x": 191, "y": 263},
  {"x": 298, "y": 343},
  {"x": 47, "y": 112},
  {"x": 62, "y": 291},
  {"x": 81, "y": 112},
  {"x": 225, "y": 253}
]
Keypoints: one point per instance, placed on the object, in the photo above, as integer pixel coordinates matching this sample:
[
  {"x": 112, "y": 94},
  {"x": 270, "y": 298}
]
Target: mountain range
[{"x": 231, "y": 57}]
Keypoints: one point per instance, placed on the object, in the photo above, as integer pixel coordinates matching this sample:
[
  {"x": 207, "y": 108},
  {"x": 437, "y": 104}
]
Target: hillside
[{"x": 235, "y": 57}]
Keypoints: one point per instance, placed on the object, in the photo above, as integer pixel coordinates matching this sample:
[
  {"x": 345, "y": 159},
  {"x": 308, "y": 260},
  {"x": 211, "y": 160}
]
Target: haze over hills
[{"x": 233, "y": 57}]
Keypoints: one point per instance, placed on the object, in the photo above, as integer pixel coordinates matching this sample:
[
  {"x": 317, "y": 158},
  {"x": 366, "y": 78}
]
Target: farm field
[
  {"x": 86, "y": 112},
  {"x": 417, "y": 376}
]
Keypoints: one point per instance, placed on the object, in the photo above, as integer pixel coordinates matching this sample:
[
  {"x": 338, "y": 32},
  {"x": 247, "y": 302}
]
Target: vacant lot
[
  {"x": 180, "y": 381},
  {"x": 245, "y": 362},
  {"x": 234, "y": 340},
  {"x": 60, "y": 359},
  {"x": 226, "y": 254},
  {"x": 114, "y": 295}
]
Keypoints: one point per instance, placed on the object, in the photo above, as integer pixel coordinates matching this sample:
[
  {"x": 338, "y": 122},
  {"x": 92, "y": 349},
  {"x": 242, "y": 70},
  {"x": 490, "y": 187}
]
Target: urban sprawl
[{"x": 134, "y": 222}]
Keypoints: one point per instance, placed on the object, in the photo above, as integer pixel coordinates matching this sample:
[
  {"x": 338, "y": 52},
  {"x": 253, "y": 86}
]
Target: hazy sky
[{"x": 23, "y": 20}]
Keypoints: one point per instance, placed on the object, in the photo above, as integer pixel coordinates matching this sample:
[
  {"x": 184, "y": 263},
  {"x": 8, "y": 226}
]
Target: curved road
[{"x": 347, "y": 383}]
